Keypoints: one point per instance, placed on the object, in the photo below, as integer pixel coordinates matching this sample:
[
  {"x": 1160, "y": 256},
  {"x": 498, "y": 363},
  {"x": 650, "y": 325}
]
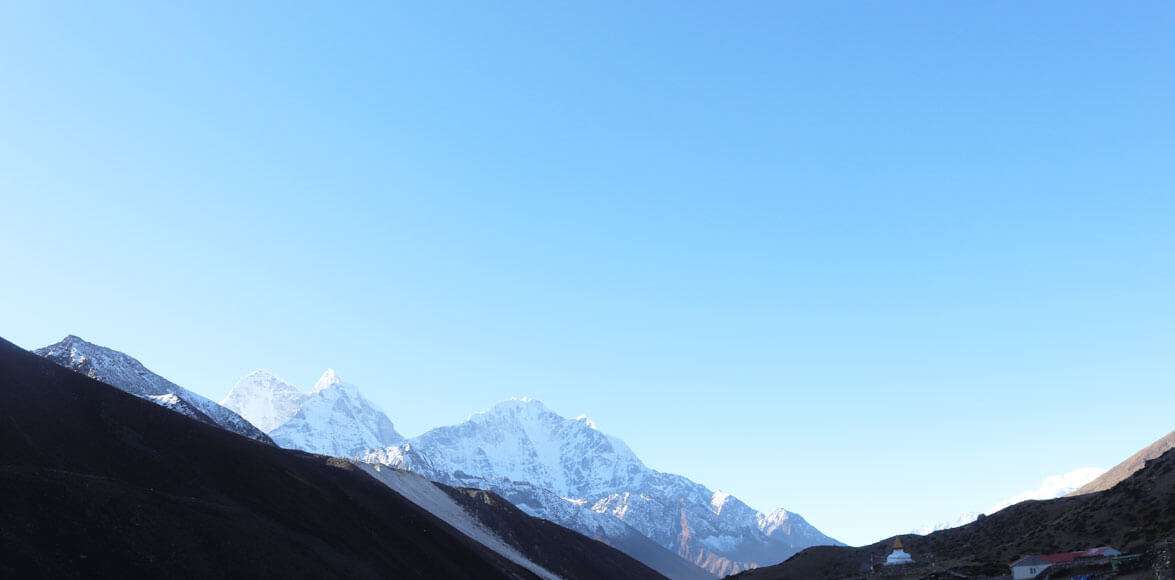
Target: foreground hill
[
  {"x": 95, "y": 482},
  {"x": 1132, "y": 516}
]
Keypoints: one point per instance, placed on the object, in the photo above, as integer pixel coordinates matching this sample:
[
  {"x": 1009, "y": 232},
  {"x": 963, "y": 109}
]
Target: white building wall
[{"x": 1026, "y": 572}]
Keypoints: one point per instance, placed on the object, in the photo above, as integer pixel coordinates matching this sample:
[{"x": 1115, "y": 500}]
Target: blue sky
[{"x": 876, "y": 263}]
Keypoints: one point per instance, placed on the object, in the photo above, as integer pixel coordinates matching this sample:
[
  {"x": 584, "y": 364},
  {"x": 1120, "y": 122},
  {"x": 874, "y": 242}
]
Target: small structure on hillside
[
  {"x": 1033, "y": 565},
  {"x": 1029, "y": 566},
  {"x": 899, "y": 555}
]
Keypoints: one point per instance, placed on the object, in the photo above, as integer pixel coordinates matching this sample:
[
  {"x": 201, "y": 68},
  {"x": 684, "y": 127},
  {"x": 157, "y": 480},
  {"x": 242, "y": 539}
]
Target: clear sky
[{"x": 877, "y": 263}]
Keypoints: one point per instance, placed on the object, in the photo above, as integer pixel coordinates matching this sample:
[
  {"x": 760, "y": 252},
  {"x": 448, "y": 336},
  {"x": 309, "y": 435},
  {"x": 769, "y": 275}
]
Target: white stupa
[{"x": 898, "y": 556}]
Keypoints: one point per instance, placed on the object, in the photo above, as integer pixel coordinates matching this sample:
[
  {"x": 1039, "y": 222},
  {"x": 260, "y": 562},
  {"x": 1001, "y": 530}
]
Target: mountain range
[
  {"x": 570, "y": 472},
  {"x": 563, "y": 470},
  {"x": 517, "y": 491},
  {"x": 95, "y": 482},
  {"x": 333, "y": 419}
]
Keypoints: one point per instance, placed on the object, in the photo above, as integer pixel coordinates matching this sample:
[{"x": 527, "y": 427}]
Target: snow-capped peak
[
  {"x": 259, "y": 375},
  {"x": 78, "y": 351},
  {"x": 587, "y": 421},
  {"x": 123, "y": 371},
  {"x": 570, "y": 472},
  {"x": 520, "y": 403},
  {"x": 328, "y": 379},
  {"x": 168, "y": 399},
  {"x": 513, "y": 406},
  {"x": 336, "y": 419},
  {"x": 520, "y": 439},
  {"x": 790, "y": 527},
  {"x": 72, "y": 340},
  {"x": 264, "y": 399}
]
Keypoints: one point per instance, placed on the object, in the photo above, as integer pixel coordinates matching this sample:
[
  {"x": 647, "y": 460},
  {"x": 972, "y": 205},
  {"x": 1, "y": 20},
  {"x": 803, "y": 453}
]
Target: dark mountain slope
[
  {"x": 97, "y": 483},
  {"x": 1129, "y": 466},
  {"x": 543, "y": 547},
  {"x": 1132, "y": 516},
  {"x": 555, "y": 547}
]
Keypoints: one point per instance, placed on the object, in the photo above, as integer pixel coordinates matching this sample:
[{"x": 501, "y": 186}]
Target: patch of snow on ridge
[
  {"x": 718, "y": 500},
  {"x": 586, "y": 421},
  {"x": 174, "y": 403},
  {"x": 432, "y": 499},
  {"x": 521, "y": 440}
]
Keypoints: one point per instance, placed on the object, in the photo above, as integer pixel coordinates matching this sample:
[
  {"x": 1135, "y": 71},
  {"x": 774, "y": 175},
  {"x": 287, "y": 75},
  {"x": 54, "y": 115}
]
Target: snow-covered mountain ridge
[
  {"x": 128, "y": 374},
  {"x": 264, "y": 399},
  {"x": 564, "y": 470},
  {"x": 333, "y": 419},
  {"x": 568, "y": 471}
]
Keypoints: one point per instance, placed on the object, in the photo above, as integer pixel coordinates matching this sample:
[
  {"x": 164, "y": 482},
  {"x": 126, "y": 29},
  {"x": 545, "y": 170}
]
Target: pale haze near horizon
[{"x": 878, "y": 265}]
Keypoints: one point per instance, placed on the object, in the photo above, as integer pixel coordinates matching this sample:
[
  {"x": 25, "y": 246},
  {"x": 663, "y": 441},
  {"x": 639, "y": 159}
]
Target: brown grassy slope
[{"x": 1129, "y": 466}]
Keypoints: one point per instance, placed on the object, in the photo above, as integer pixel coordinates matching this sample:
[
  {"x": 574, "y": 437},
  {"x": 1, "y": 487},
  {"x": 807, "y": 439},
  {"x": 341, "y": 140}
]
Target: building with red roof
[{"x": 1033, "y": 565}]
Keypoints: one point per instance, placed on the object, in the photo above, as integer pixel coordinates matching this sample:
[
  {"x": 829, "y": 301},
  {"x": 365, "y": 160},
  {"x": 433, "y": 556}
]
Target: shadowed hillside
[
  {"x": 95, "y": 482},
  {"x": 1131, "y": 516}
]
